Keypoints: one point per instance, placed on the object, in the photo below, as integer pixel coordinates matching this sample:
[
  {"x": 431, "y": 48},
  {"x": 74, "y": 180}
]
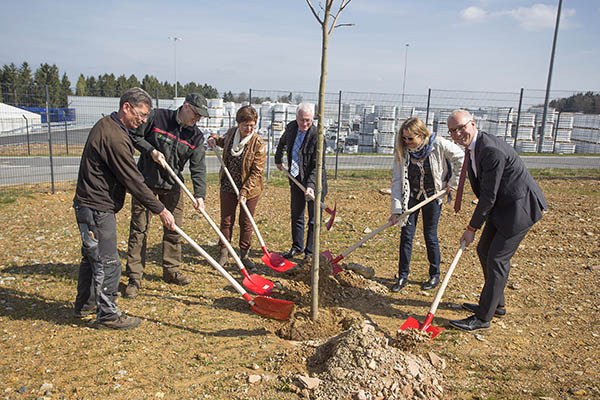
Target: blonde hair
[{"x": 413, "y": 126}]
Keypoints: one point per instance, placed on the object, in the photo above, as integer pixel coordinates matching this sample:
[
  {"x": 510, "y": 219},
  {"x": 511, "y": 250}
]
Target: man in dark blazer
[
  {"x": 299, "y": 140},
  {"x": 510, "y": 202}
]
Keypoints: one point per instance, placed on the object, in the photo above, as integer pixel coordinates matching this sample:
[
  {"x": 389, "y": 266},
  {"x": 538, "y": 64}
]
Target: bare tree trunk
[{"x": 314, "y": 305}]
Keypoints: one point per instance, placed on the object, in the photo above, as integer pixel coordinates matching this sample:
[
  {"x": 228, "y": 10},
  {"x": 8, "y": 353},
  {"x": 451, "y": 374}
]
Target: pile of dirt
[{"x": 362, "y": 364}]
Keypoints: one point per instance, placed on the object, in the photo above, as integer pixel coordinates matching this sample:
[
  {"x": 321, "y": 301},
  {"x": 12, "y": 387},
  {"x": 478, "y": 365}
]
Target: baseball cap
[{"x": 199, "y": 103}]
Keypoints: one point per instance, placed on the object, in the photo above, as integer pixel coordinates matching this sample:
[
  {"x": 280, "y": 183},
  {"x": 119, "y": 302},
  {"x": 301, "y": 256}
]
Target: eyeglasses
[
  {"x": 137, "y": 113},
  {"x": 408, "y": 139},
  {"x": 196, "y": 113},
  {"x": 459, "y": 128},
  {"x": 305, "y": 120}
]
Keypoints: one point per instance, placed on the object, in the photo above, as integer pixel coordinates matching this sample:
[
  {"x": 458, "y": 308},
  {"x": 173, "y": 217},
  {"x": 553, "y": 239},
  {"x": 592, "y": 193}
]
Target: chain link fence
[{"x": 43, "y": 129}]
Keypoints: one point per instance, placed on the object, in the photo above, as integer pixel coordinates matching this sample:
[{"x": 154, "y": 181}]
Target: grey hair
[
  {"x": 135, "y": 96},
  {"x": 305, "y": 108},
  {"x": 459, "y": 112}
]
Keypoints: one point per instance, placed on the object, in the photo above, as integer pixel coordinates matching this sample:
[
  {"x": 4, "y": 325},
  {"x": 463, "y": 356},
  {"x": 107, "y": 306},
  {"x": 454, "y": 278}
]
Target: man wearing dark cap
[{"x": 168, "y": 137}]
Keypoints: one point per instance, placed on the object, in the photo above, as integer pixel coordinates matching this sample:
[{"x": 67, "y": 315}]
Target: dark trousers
[
  {"x": 100, "y": 268},
  {"x": 229, "y": 203},
  {"x": 138, "y": 234},
  {"x": 431, "y": 215},
  {"x": 495, "y": 252},
  {"x": 298, "y": 205}
]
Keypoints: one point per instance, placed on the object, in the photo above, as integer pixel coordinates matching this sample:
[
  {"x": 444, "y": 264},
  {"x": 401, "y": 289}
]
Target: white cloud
[
  {"x": 473, "y": 14},
  {"x": 538, "y": 16}
]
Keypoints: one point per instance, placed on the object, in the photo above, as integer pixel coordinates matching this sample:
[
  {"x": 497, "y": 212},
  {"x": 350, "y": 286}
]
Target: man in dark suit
[
  {"x": 510, "y": 202},
  {"x": 299, "y": 140}
]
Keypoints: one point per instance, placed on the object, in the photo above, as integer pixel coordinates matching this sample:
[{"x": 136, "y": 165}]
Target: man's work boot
[
  {"x": 121, "y": 323},
  {"x": 132, "y": 289},
  {"x": 223, "y": 256},
  {"x": 175, "y": 277},
  {"x": 250, "y": 266}
]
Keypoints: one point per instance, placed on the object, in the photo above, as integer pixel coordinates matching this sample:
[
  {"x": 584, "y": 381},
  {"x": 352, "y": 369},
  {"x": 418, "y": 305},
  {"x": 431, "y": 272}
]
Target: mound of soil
[{"x": 361, "y": 363}]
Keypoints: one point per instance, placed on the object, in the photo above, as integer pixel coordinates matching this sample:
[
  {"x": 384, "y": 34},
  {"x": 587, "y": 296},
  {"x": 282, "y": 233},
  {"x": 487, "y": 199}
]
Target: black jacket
[
  {"x": 508, "y": 195},
  {"x": 307, "y": 157},
  {"x": 178, "y": 143}
]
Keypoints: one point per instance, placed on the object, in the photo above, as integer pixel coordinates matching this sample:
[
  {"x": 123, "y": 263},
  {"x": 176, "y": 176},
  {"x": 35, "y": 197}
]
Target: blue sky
[{"x": 492, "y": 45}]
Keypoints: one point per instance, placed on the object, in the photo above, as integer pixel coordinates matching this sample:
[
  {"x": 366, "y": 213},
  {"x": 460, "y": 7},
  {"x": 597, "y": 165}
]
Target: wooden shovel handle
[
  {"x": 389, "y": 223},
  {"x": 214, "y": 226},
  {"x": 440, "y": 292},
  {"x": 244, "y": 206},
  {"x": 323, "y": 205}
]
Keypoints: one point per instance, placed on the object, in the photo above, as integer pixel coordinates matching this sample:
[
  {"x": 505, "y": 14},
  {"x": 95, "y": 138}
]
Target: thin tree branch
[
  {"x": 342, "y": 6},
  {"x": 313, "y": 11},
  {"x": 339, "y": 25}
]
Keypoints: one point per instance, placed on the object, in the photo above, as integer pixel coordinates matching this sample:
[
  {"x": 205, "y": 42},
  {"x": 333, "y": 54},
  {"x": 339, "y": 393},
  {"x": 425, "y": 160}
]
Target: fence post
[
  {"x": 66, "y": 137},
  {"x": 49, "y": 138},
  {"x": 27, "y": 130},
  {"x": 250, "y": 98},
  {"x": 556, "y": 131},
  {"x": 519, "y": 119},
  {"x": 270, "y": 143},
  {"x": 428, "y": 99},
  {"x": 507, "y": 118},
  {"x": 337, "y": 140},
  {"x": 156, "y": 97}
]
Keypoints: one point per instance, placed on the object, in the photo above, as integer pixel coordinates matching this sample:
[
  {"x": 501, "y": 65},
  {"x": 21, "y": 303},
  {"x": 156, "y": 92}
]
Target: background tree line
[
  {"x": 20, "y": 86},
  {"x": 587, "y": 103}
]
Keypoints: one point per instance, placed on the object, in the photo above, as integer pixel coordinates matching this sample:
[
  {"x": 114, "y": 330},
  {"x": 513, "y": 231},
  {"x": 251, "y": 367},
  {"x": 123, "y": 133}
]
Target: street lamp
[
  {"x": 175, "y": 39},
  {"x": 404, "y": 80}
]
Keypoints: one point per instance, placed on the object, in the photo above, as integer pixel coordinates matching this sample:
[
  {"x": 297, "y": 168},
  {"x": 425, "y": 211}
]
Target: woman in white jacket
[{"x": 424, "y": 164}]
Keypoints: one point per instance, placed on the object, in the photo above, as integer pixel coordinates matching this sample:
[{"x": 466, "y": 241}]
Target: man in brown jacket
[{"x": 107, "y": 171}]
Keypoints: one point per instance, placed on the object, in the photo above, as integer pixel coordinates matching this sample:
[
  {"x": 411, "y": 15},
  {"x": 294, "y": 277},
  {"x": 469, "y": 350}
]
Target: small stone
[
  {"x": 372, "y": 365},
  {"x": 413, "y": 368},
  {"x": 159, "y": 395},
  {"x": 480, "y": 338},
  {"x": 308, "y": 382},
  {"x": 255, "y": 366},
  {"x": 580, "y": 393},
  {"x": 46, "y": 386},
  {"x": 360, "y": 395},
  {"x": 367, "y": 230},
  {"x": 590, "y": 233},
  {"x": 514, "y": 286},
  {"x": 436, "y": 360},
  {"x": 22, "y": 389},
  {"x": 385, "y": 191},
  {"x": 254, "y": 379}
]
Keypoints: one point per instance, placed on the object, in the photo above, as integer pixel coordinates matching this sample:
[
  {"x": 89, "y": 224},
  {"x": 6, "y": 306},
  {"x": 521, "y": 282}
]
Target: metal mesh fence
[{"x": 43, "y": 129}]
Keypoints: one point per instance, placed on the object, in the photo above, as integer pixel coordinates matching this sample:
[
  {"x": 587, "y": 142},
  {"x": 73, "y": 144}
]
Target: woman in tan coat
[{"x": 244, "y": 155}]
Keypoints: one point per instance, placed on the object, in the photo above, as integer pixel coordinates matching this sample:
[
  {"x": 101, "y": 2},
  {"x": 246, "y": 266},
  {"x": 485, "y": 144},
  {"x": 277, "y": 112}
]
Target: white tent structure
[{"x": 14, "y": 120}]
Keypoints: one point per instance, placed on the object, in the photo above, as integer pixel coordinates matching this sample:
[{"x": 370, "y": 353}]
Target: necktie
[
  {"x": 461, "y": 181},
  {"x": 294, "y": 168}
]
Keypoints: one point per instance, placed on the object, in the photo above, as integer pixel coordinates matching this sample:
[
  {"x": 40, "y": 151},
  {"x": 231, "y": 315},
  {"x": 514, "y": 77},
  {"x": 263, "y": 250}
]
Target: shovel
[
  {"x": 271, "y": 260},
  {"x": 426, "y": 326},
  {"x": 334, "y": 261},
  {"x": 255, "y": 283},
  {"x": 329, "y": 211},
  {"x": 265, "y": 306}
]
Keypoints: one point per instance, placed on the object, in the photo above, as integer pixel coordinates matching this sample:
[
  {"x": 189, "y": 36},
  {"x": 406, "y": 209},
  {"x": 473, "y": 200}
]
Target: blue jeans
[
  {"x": 431, "y": 216},
  {"x": 100, "y": 268}
]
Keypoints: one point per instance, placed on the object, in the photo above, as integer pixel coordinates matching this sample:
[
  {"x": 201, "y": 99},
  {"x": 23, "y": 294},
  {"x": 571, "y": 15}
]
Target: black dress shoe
[
  {"x": 500, "y": 311},
  {"x": 399, "y": 285},
  {"x": 470, "y": 324},
  {"x": 431, "y": 283},
  {"x": 291, "y": 253}
]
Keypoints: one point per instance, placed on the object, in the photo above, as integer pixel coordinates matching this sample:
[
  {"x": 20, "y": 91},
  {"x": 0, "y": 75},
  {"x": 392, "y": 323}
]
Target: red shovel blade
[
  {"x": 272, "y": 308},
  {"x": 333, "y": 261},
  {"x": 412, "y": 323},
  {"x": 276, "y": 261},
  {"x": 332, "y": 218},
  {"x": 257, "y": 284}
]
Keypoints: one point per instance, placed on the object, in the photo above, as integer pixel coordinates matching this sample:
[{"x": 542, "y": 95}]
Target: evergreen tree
[
  {"x": 25, "y": 81},
  {"x": 91, "y": 86},
  {"x": 9, "y": 84},
  {"x": 47, "y": 75},
  {"x": 81, "y": 87},
  {"x": 121, "y": 86},
  {"x": 132, "y": 82},
  {"x": 65, "y": 90},
  {"x": 150, "y": 84},
  {"x": 228, "y": 96}
]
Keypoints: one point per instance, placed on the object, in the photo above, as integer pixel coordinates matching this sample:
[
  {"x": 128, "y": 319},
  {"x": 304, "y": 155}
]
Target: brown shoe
[
  {"x": 248, "y": 264},
  {"x": 132, "y": 289},
  {"x": 121, "y": 323},
  {"x": 176, "y": 277},
  {"x": 223, "y": 256}
]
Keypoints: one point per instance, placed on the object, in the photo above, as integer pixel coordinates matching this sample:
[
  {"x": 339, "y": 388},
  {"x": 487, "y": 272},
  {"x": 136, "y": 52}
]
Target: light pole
[
  {"x": 175, "y": 39},
  {"x": 404, "y": 80}
]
